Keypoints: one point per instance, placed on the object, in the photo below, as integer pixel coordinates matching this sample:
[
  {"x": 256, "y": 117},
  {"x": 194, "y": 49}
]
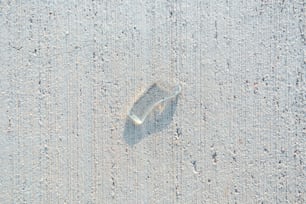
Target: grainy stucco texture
[{"x": 71, "y": 71}]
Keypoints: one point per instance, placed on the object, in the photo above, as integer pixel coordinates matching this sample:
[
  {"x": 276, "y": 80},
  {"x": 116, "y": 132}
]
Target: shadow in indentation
[{"x": 154, "y": 123}]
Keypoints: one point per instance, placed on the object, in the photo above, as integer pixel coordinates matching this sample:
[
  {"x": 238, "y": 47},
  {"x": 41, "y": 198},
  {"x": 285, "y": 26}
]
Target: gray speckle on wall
[{"x": 70, "y": 71}]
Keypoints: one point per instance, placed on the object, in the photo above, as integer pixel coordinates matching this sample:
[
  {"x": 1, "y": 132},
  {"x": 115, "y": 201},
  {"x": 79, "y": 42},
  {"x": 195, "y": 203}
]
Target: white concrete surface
[{"x": 71, "y": 70}]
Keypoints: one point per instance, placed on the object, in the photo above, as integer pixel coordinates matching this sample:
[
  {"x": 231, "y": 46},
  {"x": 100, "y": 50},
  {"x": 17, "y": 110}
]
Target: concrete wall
[{"x": 71, "y": 71}]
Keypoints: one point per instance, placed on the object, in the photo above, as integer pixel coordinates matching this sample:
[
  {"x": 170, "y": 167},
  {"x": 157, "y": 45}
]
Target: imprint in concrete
[{"x": 152, "y": 112}]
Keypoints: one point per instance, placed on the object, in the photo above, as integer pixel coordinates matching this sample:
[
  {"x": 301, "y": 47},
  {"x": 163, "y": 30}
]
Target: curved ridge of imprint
[{"x": 153, "y": 99}]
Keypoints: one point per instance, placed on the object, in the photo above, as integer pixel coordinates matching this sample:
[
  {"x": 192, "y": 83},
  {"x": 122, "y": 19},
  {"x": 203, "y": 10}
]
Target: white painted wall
[{"x": 71, "y": 70}]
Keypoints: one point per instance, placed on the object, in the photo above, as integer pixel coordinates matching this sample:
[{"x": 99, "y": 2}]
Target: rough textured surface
[{"x": 70, "y": 72}]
